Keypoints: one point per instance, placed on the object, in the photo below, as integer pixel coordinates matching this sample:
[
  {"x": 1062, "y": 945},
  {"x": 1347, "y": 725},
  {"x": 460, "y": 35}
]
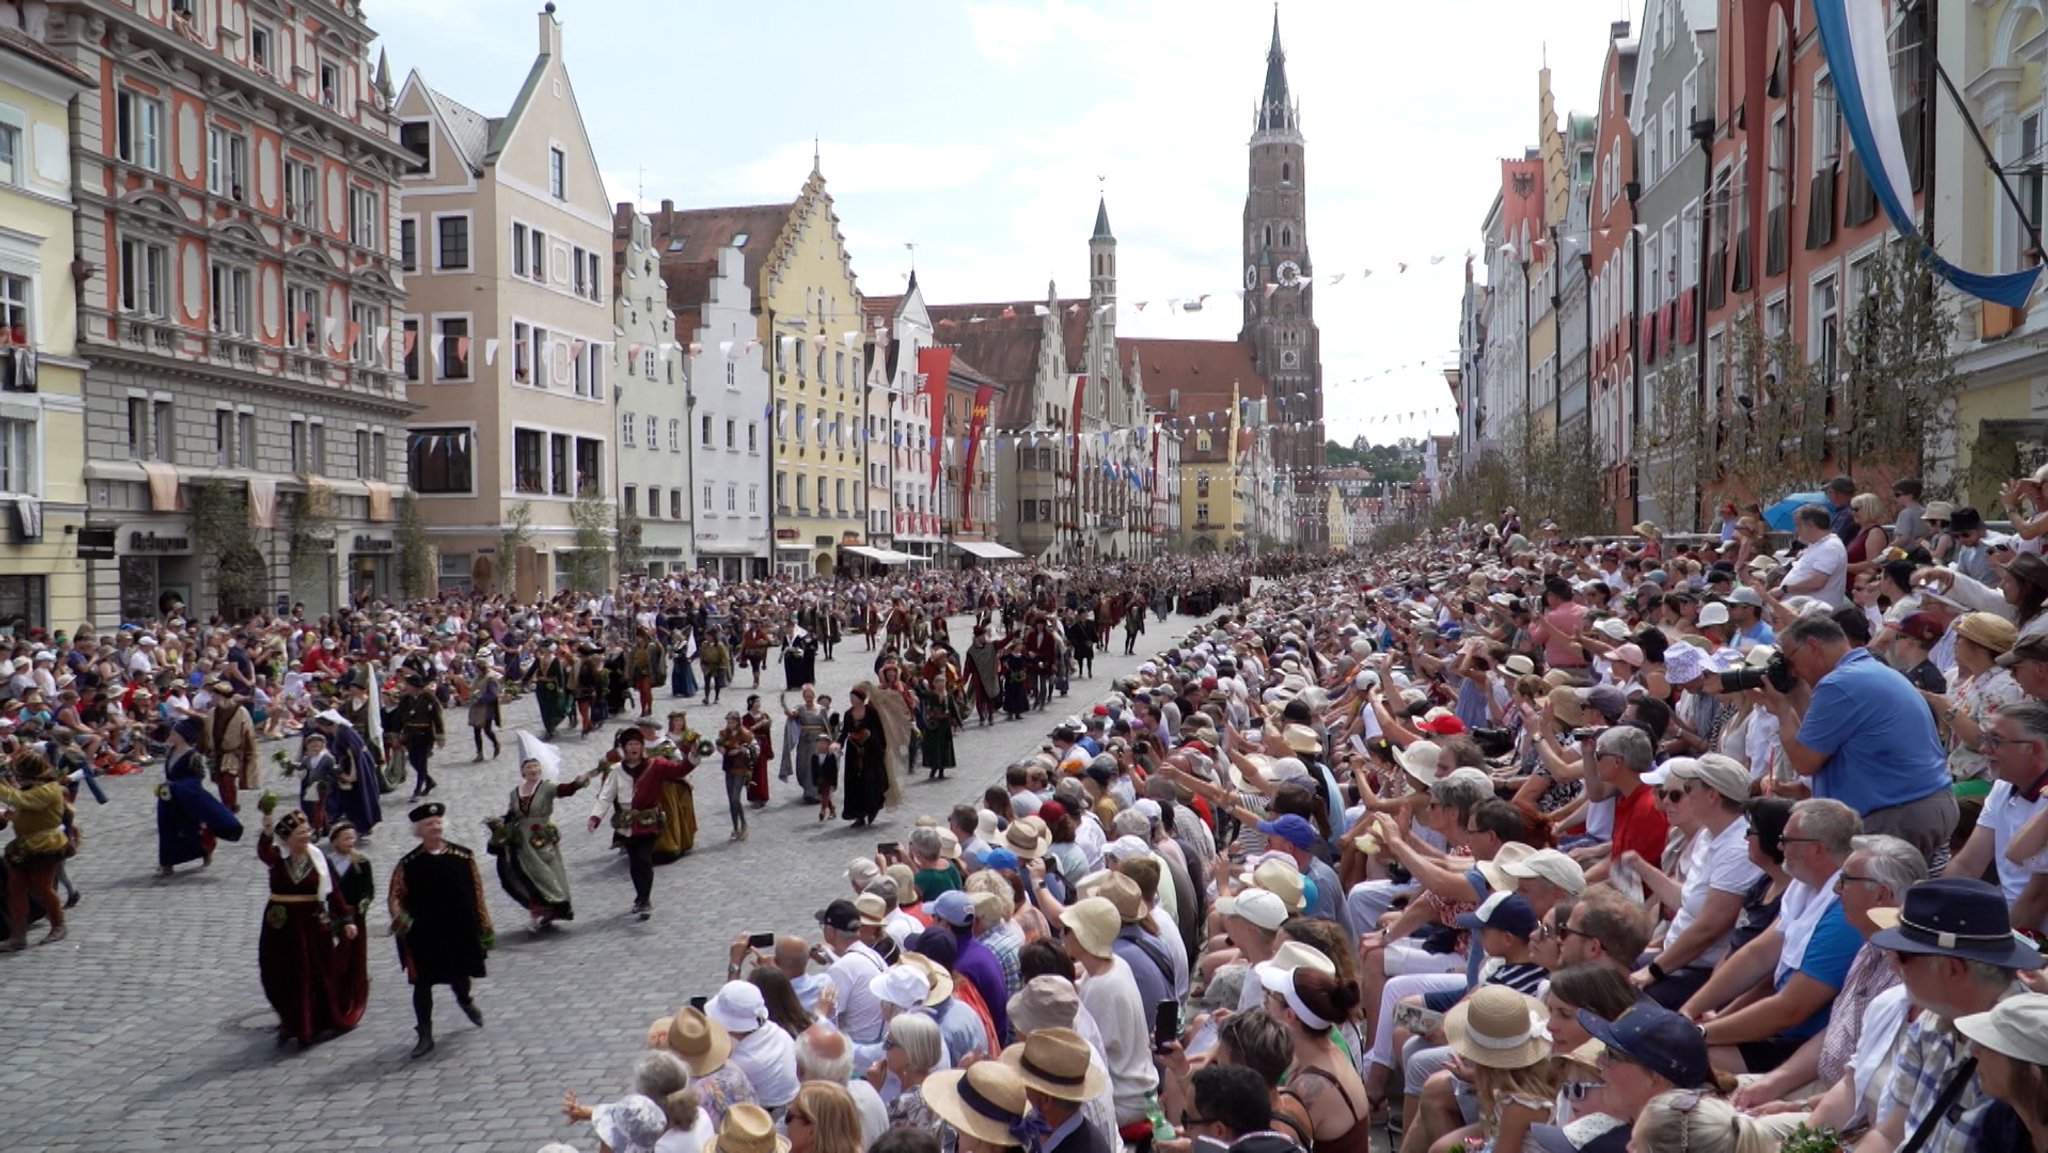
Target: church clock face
[
  {"x": 1289, "y": 358},
  {"x": 1290, "y": 273},
  {"x": 1251, "y": 277}
]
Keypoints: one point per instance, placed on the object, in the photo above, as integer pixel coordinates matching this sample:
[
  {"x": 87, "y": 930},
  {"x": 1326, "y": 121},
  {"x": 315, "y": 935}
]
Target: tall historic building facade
[{"x": 1279, "y": 293}]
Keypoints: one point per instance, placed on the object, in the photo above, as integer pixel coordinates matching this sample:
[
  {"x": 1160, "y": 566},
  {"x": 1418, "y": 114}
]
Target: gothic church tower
[{"x": 1279, "y": 297}]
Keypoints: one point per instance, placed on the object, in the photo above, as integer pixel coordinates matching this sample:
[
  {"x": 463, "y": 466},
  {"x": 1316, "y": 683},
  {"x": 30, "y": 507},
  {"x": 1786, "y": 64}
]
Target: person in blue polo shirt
[{"x": 1865, "y": 737}]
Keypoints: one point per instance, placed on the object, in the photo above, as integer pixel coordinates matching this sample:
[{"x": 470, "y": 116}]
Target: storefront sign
[
  {"x": 786, "y": 534},
  {"x": 96, "y": 543},
  {"x": 374, "y": 544},
  {"x": 849, "y": 537},
  {"x": 662, "y": 551},
  {"x": 149, "y": 542}
]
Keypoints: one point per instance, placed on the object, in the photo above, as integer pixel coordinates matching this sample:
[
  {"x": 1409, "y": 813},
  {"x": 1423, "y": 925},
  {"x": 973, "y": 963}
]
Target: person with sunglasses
[
  {"x": 2014, "y": 739},
  {"x": 1705, "y": 798}
]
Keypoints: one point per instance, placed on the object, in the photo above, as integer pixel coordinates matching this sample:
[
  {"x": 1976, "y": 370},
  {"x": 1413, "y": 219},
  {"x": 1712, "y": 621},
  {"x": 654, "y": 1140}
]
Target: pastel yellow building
[
  {"x": 811, "y": 330},
  {"x": 42, "y": 408}
]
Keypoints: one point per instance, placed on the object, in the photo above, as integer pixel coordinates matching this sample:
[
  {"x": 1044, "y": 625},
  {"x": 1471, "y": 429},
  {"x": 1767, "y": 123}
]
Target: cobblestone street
[{"x": 147, "y": 1029}]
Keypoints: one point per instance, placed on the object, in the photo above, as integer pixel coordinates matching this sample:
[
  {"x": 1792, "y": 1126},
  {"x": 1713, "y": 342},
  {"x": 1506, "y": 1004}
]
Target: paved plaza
[{"x": 148, "y": 1030}]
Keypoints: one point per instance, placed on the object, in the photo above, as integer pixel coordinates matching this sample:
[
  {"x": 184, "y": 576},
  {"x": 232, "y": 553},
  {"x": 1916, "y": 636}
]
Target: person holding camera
[{"x": 1863, "y": 737}]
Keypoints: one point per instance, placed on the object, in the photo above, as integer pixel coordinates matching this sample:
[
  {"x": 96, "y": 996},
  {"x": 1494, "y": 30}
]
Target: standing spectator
[
  {"x": 1911, "y": 526},
  {"x": 1841, "y": 495}
]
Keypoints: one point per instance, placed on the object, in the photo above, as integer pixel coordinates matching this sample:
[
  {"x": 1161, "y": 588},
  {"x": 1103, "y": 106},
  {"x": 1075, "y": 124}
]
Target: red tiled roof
[
  {"x": 688, "y": 240},
  {"x": 1003, "y": 347},
  {"x": 1203, "y": 372},
  {"x": 882, "y": 308}
]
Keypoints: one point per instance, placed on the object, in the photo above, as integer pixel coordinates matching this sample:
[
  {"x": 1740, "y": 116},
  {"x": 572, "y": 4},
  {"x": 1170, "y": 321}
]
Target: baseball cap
[
  {"x": 1293, "y": 828},
  {"x": 2029, "y": 648},
  {"x": 1259, "y": 906},
  {"x": 841, "y": 915},
  {"x": 1508, "y": 912},
  {"x": 954, "y": 907},
  {"x": 1657, "y": 1039}
]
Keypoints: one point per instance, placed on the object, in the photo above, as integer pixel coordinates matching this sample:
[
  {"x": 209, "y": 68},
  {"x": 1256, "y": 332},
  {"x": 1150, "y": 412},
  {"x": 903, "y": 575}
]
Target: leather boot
[{"x": 426, "y": 1042}]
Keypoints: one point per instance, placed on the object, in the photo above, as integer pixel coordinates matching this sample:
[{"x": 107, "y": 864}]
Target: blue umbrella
[{"x": 1779, "y": 515}]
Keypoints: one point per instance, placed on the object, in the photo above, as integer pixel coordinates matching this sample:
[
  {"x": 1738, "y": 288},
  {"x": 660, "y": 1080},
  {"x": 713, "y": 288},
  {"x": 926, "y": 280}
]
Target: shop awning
[
  {"x": 987, "y": 550},
  {"x": 879, "y": 555}
]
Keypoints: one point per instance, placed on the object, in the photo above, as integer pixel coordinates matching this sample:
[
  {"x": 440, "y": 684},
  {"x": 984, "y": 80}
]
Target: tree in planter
[
  {"x": 1757, "y": 433},
  {"x": 590, "y": 564},
  {"x": 632, "y": 556},
  {"x": 416, "y": 576},
  {"x": 1895, "y": 411},
  {"x": 312, "y": 546},
  {"x": 515, "y": 536},
  {"x": 1672, "y": 459},
  {"x": 227, "y": 549}
]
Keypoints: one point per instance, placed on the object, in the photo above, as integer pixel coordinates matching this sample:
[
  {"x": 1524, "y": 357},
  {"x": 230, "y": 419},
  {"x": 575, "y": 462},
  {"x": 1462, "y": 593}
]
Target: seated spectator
[{"x": 1800, "y": 963}]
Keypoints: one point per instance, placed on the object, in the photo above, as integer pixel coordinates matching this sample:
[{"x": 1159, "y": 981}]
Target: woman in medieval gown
[
  {"x": 984, "y": 679},
  {"x": 1016, "y": 665},
  {"x": 935, "y": 708},
  {"x": 352, "y": 793},
  {"x": 295, "y": 950},
  {"x": 526, "y": 841},
  {"x": 682, "y": 679},
  {"x": 864, "y": 741},
  {"x": 354, "y": 889},
  {"x": 188, "y": 818},
  {"x": 678, "y": 804}
]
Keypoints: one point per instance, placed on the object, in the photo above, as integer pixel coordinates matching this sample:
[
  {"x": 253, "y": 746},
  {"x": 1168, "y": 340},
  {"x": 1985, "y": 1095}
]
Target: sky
[{"x": 983, "y": 133}]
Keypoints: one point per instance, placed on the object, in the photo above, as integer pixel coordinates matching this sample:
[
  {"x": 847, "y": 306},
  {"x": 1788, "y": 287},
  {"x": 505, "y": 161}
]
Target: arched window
[
  {"x": 1286, "y": 172},
  {"x": 1269, "y": 236},
  {"x": 1287, "y": 238}
]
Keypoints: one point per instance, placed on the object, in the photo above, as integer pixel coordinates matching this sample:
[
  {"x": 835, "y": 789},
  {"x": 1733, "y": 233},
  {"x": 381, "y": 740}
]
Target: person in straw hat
[
  {"x": 1502, "y": 1046},
  {"x": 1060, "y": 1077},
  {"x": 1109, "y": 992},
  {"x": 705, "y": 1049},
  {"x": 747, "y": 1129},
  {"x": 987, "y": 1108}
]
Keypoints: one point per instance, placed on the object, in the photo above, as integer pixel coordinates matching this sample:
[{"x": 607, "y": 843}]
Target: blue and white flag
[{"x": 1853, "y": 37}]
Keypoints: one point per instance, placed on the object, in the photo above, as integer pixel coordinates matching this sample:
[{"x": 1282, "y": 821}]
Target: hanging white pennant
[{"x": 491, "y": 350}]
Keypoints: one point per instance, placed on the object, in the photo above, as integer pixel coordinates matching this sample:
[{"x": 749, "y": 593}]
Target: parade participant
[
  {"x": 716, "y": 661},
  {"x": 823, "y": 766},
  {"x": 982, "y": 674},
  {"x": 418, "y": 722},
  {"x": 527, "y": 842},
  {"x": 588, "y": 688},
  {"x": 440, "y": 921},
  {"x": 799, "y": 658},
  {"x": 763, "y": 732},
  {"x": 295, "y": 951},
  {"x": 863, "y": 745},
  {"x": 316, "y": 771},
  {"x": 935, "y": 711},
  {"x": 484, "y": 715},
  {"x": 30, "y": 789},
  {"x": 188, "y": 818},
  {"x": 354, "y": 888},
  {"x": 805, "y": 723},
  {"x": 352, "y": 794},
  {"x": 231, "y": 740},
  {"x": 741, "y": 759},
  {"x": 643, "y": 665},
  {"x": 1017, "y": 677},
  {"x": 678, "y": 801},
  {"x": 754, "y": 649},
  {"x": 550, "y": 679},
  {"x": 630, "y": 798}
]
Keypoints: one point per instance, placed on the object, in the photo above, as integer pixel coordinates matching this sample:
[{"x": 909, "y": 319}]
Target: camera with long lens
[{"x": 1777, "y": 671}]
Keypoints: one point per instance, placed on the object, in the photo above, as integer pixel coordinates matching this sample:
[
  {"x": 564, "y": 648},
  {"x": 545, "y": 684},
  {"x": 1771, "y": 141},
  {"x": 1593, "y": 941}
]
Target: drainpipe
[
  {"x": 1557, "y": 332},
  {"x": 1703, "y": 135},
  {"x": 774, "y": 438}
]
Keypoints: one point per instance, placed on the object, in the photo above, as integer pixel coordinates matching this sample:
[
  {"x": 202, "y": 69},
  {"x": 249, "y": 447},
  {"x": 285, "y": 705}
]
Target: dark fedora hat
[
  {"x": 2029, "y": 567},
  {"x": 1954, "y": 917}
]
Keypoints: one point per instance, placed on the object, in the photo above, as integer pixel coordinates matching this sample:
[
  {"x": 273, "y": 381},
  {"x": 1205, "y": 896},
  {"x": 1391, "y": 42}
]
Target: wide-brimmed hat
[
  {"x": 1302, "y": 739},
  {"x": 1419, "y": 761},
  {"x": 1027, "y": 837},
  {"x": 1118, "y": 890},
  {"x": 1499, "y": 1028},
  {"x": 1988, "y": 631},
  {"x": 1646, "y": 528},
  {"x": 986, "y": 1101},
  {"x": 1059, "y": 1064},
  {"x": 2016, "y": 1027},
  {"x": 935, "y": 975},
  {"x": 1518, "y": 664},
  {"x": 750, "y": 1129},
  {"x": 1557, "y": 868},
  {"x": 1280, "y": 877},
  {"x": 739, "y": 1006},
  {"x": 1094, "y": 923},
  {"x": 1954, "y": 917},
  {"x": 1937, "y": 510},
  {"x": 1496, "y": 870},
  {"x": 701, "y": 1042}
]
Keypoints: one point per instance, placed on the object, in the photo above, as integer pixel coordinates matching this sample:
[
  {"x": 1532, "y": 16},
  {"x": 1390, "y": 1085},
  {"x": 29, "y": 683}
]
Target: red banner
[
  {"x": 982, "y": 396},
  {"x": 935, "y": 364}
]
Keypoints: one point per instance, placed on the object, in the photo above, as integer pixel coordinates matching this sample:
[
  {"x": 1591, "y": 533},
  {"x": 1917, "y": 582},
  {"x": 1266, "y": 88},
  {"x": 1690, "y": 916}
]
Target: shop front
[
  {"x": 372, "y": 566},
  {"x": 158, "y": 570}
]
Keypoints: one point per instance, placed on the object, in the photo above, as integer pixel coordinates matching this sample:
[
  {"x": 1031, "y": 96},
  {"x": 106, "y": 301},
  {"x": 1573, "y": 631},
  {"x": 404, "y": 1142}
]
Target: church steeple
[
  {"x": 1102, "y": 231},
  {"x": 1277, "y": 111}
]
